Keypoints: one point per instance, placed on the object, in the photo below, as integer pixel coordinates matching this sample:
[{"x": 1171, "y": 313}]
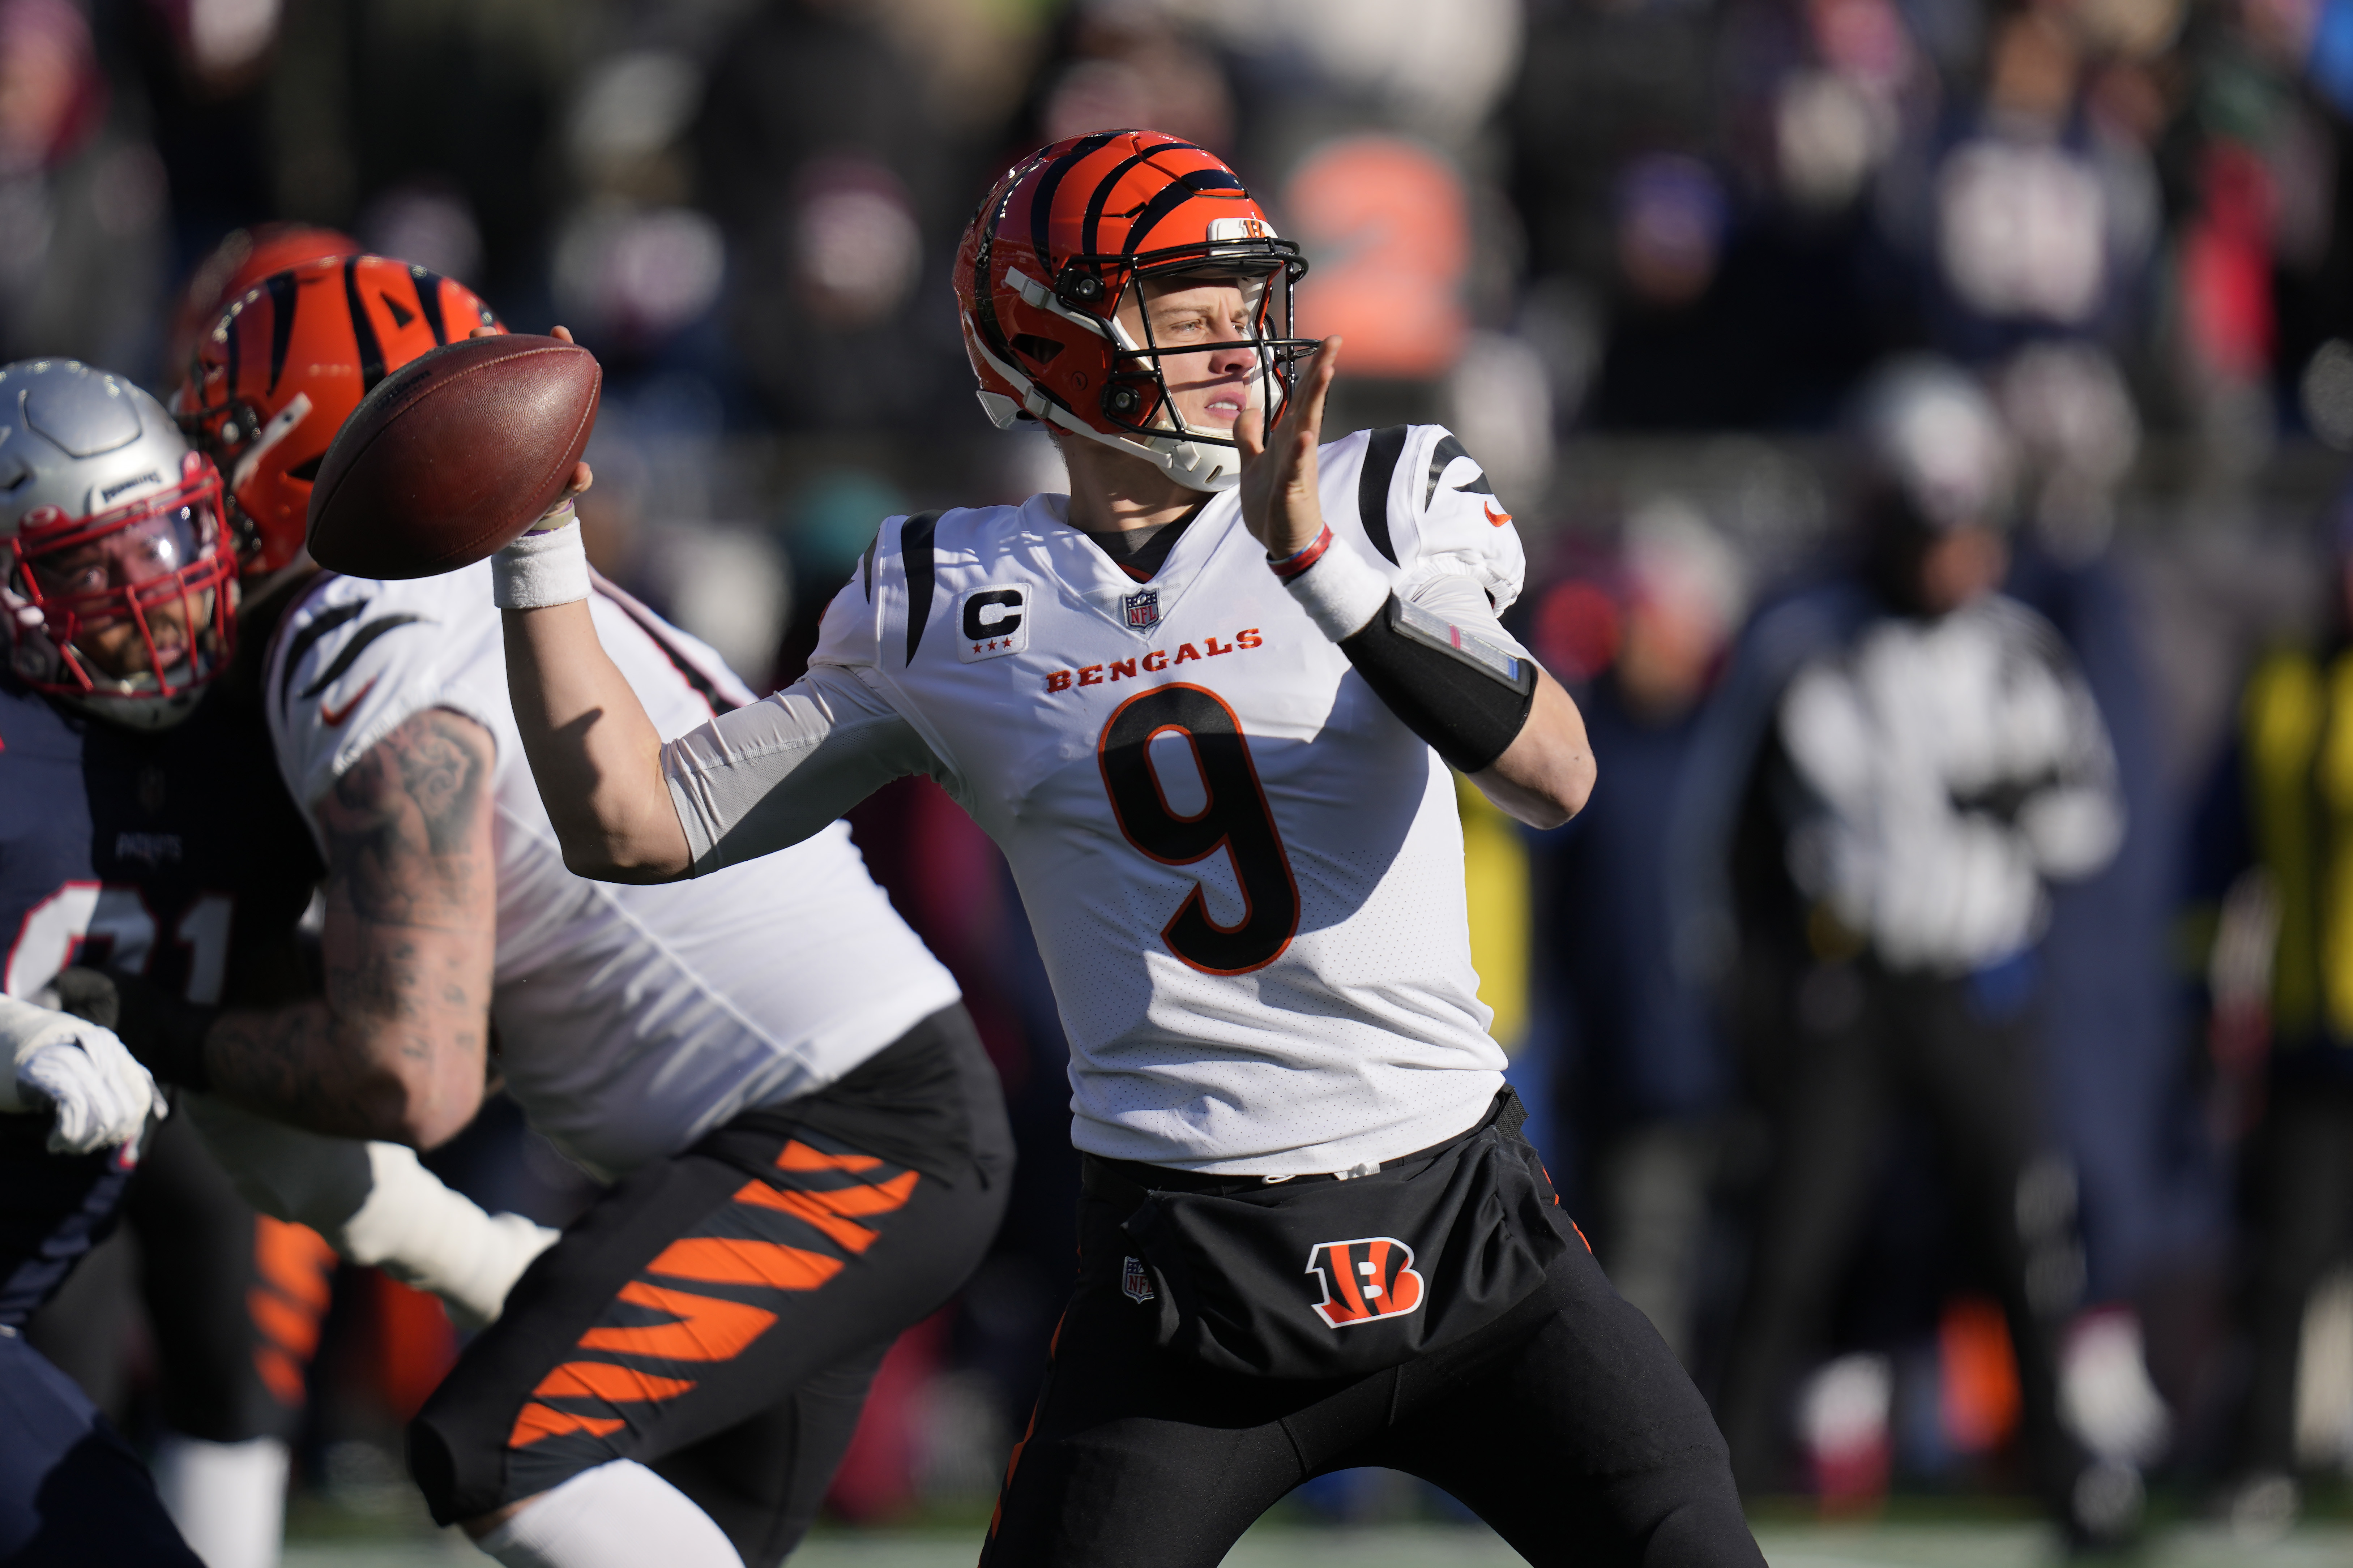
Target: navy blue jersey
[{"x": 178, "y": 854}]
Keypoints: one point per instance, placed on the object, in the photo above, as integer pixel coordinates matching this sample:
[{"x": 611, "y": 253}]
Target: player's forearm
[
  {"x": 360, "y": 1075},
  {"x": 594, "y": 753},
  {"x": 1545, "y": 775}
]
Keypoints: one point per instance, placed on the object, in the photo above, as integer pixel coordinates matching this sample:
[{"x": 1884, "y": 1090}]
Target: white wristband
[
  {"x": 1341, "y": 593},
  {"x": 541, "y": 568}
]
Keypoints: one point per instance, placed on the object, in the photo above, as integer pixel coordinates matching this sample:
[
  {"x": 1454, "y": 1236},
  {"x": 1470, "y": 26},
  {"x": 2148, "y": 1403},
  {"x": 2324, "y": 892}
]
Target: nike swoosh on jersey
[
  {"x": 333, "y": 718},
  {"x": 1497, "y": 517}
]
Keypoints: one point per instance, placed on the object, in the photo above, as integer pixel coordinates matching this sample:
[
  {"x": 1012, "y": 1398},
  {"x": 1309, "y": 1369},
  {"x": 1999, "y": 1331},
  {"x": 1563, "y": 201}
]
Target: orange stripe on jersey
[
  {"x": 726, "y": 1261},
  {"x": 538, "y": 1421},
  {"x": 295, "y": 1330},
  {"x": 709, "y": 1328},
  {"x": 603, "y": 1380},
  {"x": 800, "y": 1156}
]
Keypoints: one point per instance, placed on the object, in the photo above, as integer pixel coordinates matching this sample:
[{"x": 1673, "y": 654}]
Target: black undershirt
[{"x": 1141, "y": 552}]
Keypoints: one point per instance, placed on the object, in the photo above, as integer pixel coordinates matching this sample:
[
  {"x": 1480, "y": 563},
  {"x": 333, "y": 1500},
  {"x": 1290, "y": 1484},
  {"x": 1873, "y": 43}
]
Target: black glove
[{"x": 166, "y": 1033}]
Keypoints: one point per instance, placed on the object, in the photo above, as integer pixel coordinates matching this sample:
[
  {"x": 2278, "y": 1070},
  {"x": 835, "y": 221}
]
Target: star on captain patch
[{"x": 1141, "y": 610}]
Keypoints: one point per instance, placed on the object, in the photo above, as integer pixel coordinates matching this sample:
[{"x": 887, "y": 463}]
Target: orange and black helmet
[
  {"x": 283, "y": 367},
  {"x": 1054, "y": 250},
  {"x": 242, "y": 260}
]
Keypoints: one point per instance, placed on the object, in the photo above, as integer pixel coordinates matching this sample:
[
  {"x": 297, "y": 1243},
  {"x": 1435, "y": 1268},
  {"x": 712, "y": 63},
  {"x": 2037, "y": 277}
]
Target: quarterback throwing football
[{"x": 1201, "y": 703}]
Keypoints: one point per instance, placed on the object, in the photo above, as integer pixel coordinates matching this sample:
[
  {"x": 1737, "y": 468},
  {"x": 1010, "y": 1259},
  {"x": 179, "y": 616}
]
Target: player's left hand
[
  {"x": 98, "y": 1096},
  {"x": 1280, "y": 504}
]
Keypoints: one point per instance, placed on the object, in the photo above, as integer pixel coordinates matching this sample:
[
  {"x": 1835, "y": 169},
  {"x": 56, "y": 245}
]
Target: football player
[
  {"x": 805, "y": 1142},
  {"x": 233, "y": 1298},
  {"x": 1204, "y": 704},
  {"x": 143, "y": 825}
]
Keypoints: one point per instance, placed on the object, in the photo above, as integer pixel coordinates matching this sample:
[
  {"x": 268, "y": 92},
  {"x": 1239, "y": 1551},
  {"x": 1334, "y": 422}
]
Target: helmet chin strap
[{"x": 1196, "y": 464}]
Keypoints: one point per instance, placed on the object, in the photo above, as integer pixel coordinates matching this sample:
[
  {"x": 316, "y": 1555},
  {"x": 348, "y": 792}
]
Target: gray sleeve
[{"x": 765, "y": 778}]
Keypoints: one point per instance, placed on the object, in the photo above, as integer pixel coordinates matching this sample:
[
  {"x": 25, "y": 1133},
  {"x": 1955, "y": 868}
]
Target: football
[{"x": 452, "y": 455}]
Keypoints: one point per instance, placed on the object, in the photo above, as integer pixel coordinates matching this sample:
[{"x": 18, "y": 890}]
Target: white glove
[
  {"x": 99, "y": 1094},
  {"x": 376, "y": 1205}
]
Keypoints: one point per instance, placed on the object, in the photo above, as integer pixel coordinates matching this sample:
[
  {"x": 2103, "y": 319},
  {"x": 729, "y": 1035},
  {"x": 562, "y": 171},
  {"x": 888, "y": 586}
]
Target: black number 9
[{"x": 1234, "y": 818}]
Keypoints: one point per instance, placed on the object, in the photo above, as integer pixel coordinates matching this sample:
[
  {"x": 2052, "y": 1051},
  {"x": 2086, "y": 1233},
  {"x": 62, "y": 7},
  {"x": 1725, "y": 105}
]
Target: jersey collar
[{"x": 1075, "y": 562}]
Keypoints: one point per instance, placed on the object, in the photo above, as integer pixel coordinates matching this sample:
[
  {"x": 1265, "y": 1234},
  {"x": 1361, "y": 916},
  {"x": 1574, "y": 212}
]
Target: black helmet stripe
[
  {"x": 282, "y": 293},
  {"x": 1102, "y": 198},
  {"x": 984, "y": 302},
  {"x": 1184, "y": 189},
  {"x": 362, "y": 329},
  {"x": 1042, "y": 204},
  {"x": 428, "y": 301}
]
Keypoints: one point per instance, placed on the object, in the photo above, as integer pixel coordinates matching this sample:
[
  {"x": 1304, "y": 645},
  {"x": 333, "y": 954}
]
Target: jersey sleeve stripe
[
  {"x": 916, "y": 560},
  {"x": 1381, "y": 454},
  {"x": 718, "y": 701},
  {"x": 304, "y": 640},
  {"x": 1445, "y": 452},
  {"x": 350, "y": 655}
]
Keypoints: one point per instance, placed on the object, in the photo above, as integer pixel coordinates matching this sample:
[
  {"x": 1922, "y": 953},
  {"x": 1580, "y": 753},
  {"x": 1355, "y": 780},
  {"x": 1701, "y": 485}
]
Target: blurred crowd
[{"x": 1921, "y": 417}]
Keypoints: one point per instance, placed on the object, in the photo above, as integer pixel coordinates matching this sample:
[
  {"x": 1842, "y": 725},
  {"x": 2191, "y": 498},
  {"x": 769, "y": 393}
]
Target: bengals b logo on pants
[{"x": 1364, "y": 1280}]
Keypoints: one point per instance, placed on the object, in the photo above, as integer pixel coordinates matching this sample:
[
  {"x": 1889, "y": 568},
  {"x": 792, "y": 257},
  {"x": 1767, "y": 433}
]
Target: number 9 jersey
[{"x": 1245, "y": 874}]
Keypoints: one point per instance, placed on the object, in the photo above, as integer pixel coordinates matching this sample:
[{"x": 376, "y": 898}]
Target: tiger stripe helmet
[
  {"x": 243, "y": 258},
  {"x": 283, "y": 367},
  {"x": 1052, "y": 253}
]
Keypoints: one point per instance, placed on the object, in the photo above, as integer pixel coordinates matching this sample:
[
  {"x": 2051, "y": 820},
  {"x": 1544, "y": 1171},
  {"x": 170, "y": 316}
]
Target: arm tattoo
[{"x": 396, "y": 1050}]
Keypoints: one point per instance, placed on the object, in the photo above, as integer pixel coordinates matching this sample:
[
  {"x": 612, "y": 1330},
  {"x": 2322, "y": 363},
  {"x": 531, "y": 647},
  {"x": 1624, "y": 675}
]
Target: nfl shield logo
[
  {"x": 1134, "y": 1282},
  {"x": 1143, "y": 610}
]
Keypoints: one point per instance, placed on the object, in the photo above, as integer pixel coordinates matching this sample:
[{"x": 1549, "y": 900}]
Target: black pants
[
  {"x": 2298, "y": 1188},
  {"x": 1875, "y": 1044},
  {"x": 716, "y": 1317},
  {"x": 1566, "y": 1425},
  {"x": 234, "y": 1300}
]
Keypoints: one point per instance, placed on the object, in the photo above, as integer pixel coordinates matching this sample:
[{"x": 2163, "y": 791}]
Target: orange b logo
[{"x": 1364, "y": 1280}]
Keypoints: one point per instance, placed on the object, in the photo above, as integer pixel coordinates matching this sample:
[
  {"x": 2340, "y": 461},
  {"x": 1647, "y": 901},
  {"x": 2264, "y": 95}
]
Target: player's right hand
[
  {"x": 1280, "y": 504},
  {"x": 99, "y": 1095}
]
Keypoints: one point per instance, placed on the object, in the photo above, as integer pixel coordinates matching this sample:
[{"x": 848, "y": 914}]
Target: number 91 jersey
[{"x": 1244, "y": 872}]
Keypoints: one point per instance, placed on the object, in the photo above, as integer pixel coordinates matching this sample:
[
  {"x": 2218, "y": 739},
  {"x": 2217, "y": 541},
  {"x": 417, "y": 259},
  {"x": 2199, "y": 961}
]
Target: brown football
[{"x": 452, "y": 455}]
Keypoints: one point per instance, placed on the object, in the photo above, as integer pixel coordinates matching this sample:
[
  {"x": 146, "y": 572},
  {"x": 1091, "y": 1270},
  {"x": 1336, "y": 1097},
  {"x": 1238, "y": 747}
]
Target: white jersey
[
  {"x": 1244, "y": 872},
  {"x": 630, "y": 1019}
]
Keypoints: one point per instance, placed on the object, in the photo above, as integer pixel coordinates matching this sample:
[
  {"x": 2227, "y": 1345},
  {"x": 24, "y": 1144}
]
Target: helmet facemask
[
  {"x": 160, "y": 566},
  {"x": 1138, "y": 398}
]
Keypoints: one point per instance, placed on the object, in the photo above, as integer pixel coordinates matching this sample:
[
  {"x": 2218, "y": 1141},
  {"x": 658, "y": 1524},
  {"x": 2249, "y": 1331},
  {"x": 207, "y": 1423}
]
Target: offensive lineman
[
  {"x": 807, "y": 1142},
  {"x": 1200, "y": 704}
]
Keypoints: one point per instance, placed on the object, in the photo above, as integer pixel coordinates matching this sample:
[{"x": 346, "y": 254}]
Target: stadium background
[{"x": 1639, "y": 254}]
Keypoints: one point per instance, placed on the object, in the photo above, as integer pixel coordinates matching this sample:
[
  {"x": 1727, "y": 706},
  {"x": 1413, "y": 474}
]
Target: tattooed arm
[{"x": 396, "y": 1050}]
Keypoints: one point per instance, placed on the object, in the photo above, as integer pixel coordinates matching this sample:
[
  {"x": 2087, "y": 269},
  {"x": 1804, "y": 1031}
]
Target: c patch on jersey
[
  {"x": 994, "y": 621},
  {"x": 1369, "y": 1278}
]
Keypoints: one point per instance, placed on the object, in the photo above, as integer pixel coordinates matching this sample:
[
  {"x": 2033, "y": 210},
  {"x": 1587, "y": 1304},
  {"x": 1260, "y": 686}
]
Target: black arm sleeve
[{"x": 1465, "y": 696}]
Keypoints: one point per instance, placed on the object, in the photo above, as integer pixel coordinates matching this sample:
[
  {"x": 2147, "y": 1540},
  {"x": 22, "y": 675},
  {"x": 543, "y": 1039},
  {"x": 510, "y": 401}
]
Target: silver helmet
[{"x": 120, "y": 581}]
